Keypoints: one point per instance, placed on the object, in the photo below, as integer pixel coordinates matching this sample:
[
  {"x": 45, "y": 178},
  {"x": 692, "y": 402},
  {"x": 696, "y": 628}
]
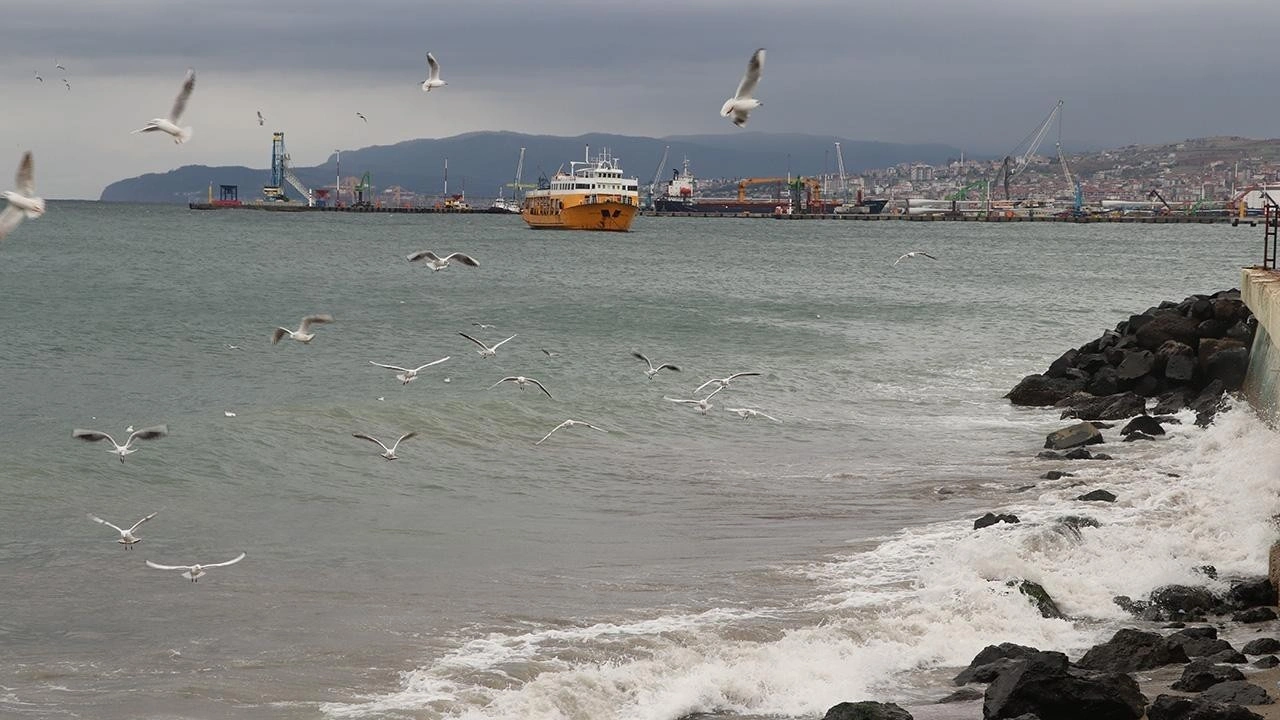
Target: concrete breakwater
[{"x": 1177, "y": 354}]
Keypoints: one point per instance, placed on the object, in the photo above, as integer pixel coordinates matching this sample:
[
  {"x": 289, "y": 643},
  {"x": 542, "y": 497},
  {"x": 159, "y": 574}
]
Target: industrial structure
[{"x": 282, "y": 173}]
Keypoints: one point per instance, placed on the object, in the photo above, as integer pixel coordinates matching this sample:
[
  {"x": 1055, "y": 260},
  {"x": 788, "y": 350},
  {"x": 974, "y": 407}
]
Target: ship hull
[{"x": 605, "y": 216}]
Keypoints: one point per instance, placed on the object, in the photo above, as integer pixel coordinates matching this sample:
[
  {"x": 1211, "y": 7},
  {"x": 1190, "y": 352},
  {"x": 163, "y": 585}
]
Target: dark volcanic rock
[
  {"x": 1098, "y": 496},
  {"x": 1059, "y": 367},
  {"x": 1199, "y": 646},
  {"x": 1055, "y": 475},
  {"x": 1047, "y": 687},
  {"x": 1040, "y": 598},
  {"x": 1252, "y": 592},
  {"x": 1165, "y": 327},
  {"x": 1143, "y": 424},
  {"x": 961, "y": 695},
  {"x": 1170, "y": 402},
  {"x": 1129, "y": 650},
  {"x": 866, "y": 710},
  {"x": 1202, "y": 674},
  {"x": 1135, "y": 364},
  {"x": 1177, "y": 707},
  {"x": 1103, "y": 382},
  {"x": 1134, "y": 437},
  {"x": 992, "y": 518},
  {"x": 1040, "y": 390},
  {"x": 1108, "y": 407},
  {"x": 1083, "y": 433},
  {"x": 1182, "y": 600},
  {"x": 1180, "y": 369},
  {"x": 1229, "y": 656},
  {"x": 1229, "y": 366},
  {"x": 1254, "y": 615},
  {"x": 989, "y": 656},
  {"x": 1266, "y": 661},
  {"x": 1261, "y": 646},
  {"x": 1237, "y": 692},
  {"x": 1210, "y": 347}
]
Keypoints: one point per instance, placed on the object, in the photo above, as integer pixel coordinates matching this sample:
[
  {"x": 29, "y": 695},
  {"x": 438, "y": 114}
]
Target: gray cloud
[{"x": 975, "y": 75}]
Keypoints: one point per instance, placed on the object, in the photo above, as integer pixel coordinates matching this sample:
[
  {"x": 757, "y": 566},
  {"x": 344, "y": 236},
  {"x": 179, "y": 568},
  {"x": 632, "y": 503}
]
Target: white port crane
[
  {"x": 1015, "y": 162},
  {"x": 844, "y": 185},
  {"x": 653, "y": 186}
]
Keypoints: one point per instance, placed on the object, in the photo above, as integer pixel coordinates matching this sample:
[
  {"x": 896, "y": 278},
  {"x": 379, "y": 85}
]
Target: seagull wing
[
  {"x": 486, "y": 347},
  {"x": 148, "y": 433},
  {"x": 749, "y": 81},
  {"x": 391, "y": 367},
  {"x": 505, "y": 379},
  {"x": 310, "y": 320},
  {"x": 495, "y": 347},
  {"x": 135, "y": 525},
  {"x": 901, "y": 258},
  {"x": 433, "y": 362},
  {"x": 9, "y": 219},
  {"x": 462, "y": 258},
  {"x": 371, "y": 438},
  {"x": 593, "y": 427},
  {"x": 279, "y": 333},
  {"x": 668, "y": 366},
  {"x": 93, "y": 436},
  {"x": 713, "y": 393},
  {"x": 184, "y": 94},
  {"x": 678, "y": 400},
  {"x": 435, "y": 67},
  {"x": 423, "y": 255},
  {"x": 158, "y": 566},
  {"x": 741, "y": 374},
  {"x": 117, "y": 528},
  {"x": 232, "y": 561},
  {"x": 928, "y": 255},
  {"x": 712, "y": 380},
  {"x": 553, "y": 432},
  {"x": 641, "y": 356},
  {"x": 26, "y": 178},
  {"x": 540, "y": 387},
  {"x": 402, "y": 438}
]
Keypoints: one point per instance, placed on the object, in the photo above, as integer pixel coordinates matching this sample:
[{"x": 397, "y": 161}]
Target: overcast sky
[{"x": 977, "y": 75}]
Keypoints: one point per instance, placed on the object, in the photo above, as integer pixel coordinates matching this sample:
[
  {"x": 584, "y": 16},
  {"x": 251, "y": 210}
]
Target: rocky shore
[{"x": 1153, "y": 365}]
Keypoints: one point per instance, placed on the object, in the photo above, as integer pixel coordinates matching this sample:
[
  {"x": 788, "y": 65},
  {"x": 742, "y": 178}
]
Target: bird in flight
[
  {"x": 433, "y": 79},
  {"x": 748, "y": 413},
  {"x": 38, "y": 76},
  {"x": 653, "y": 370},
  {"x": 408, "y": 375},
  {"x": 702, "y": 405},
  {"x": 549, "y": 353},
  {"x": 913, "y": 254},
  {"x": 127, "y": 538},
  {"x": 170, "y": 124},
  {"x": 569, "y": 423},
  {"x": 146, "y": 433},
  {"x": 23, "y": 202},
  {"x": 723, "y": 382},
  {"x": 388, "y": 452},
  {"x": 67, "y": 83},
  {"x": 522, "y": 381},
  {"x": 742, "y": 102},
  {"x": 301, "y": 334},
  {"x": 362, "y": 117},
  {"x": 484, "y": 326},
  {"x": 261, "y": 120},
  {"x": 486, "y": 351},
  {"x": 439, "y": 263},
  {"x": 59, "y": 65},
  {"x": 195, "y": 572}
]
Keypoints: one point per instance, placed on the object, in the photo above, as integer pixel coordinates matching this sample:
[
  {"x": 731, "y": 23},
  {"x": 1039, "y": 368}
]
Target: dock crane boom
[
  {"x": 1015, "y": 162},
  {"x": 844, "y": 186},
  {"x": 653, "y": 186}
]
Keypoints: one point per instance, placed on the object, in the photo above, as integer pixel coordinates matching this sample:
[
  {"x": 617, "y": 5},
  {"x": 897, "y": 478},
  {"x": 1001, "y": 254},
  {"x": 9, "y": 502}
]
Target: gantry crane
[
  {"x": 653, "y": 186},
  {"x": 844, "y": 186},
  {"x": 1015, "y": 162}
]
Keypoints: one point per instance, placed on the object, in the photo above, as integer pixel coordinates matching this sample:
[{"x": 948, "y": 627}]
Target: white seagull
[
  {"x": 195, "y": 572},
  {"x": 652, "y": 369},
  {"x": 59, "y": 65},
  {"x": 388, "y": 452},
  {"x": 702, "y": 405},
  {"x": 569, "y": 423},
  {"x": 912, "y": 254},
  {"x": 486, "y": 351},
  {"x": 742, "y": 102},
  {"x": 170, "y": 124},
  {"x": 433, "y": 80},
  {"x": 146, "y": 433},
  {"x": 261, "y": 120},
  {"x": 748, "y": 413},
  {"x": 725, "y": 381},
  {"x": 439, "y": 263},
  {"x": 522, "y": 381},
  {"x": 550, "y": 353},
  {"x": 127, "y": 538},
  {"x": 484, "y": 326},
  {"x": 362, "y": 117},
  {"x": 408, "y": 375},
  {"x": 23, "y": 202},
  {"x": 301, "y": 334}
]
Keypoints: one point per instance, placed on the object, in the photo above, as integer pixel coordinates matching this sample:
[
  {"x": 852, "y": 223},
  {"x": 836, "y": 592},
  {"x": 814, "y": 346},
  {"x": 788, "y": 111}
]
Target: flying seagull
[
  {"x": 439, "y": 263},
  {"x": 484, "y": 326},
  {"x": 522, "y": 381},
  {"x": 146, "y": 433},
  {"x": 486, "y": 351},
  {"x": 195, "y": 572},
  {"x": 569, "y": 423},
  {"x": 748, "y": 413},
  {"x": 23, "y": 202},
  {"x": 408, "y": 375},
  {"x": 362, "y": 117},
  {"x": 261, "y": 120},
  {"x": 433, "y": 80},
  {"x": 67, "y": 83},
  {"x": 389, "y": 452},
  {"x": 127, "y": 538},
  {"x": 702, "y": 405},
  {"x": 550, "y": 353},
  {"x": 742, "y": 103},
  {"x": 912, "y": 254},
  {"x": 59, "y": 65},
  {"x": 38, "y": 76},
  {"x": 724, "y": 382},
  {"x": 652, "y": 369},
  {"x": 170, "y": 124},
  {"x": 301, "y": 334}
]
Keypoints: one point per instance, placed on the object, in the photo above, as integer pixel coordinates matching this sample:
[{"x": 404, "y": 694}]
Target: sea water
[{"x": 677, "y": 564}]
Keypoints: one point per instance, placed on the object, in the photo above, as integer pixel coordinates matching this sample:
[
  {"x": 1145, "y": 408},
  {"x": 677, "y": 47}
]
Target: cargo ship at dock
[{"x": 791, "y": 195}]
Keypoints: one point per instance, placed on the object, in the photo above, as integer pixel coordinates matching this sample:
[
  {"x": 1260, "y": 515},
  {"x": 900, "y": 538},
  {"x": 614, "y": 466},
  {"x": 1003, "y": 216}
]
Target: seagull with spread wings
[
  {"x": 408, "y": 375},
  {"x": 486, "y": 351},
  {"x": 302, "y": 334},
  {"x": 147, "y": 433},
  {"x": 127, "y": 538},
  {"x": 387, "y": 452},
  {"x": 742, "y": 102},
  {"x": 195, "y": 572},
  {"x": 433, "y": 79},
  {"x": 23, "y": 202},
  {"x": 569, "y": 423},
  {"x": 170, "y": 124}
]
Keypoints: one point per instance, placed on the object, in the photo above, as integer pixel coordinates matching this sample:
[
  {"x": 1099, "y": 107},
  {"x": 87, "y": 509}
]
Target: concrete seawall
[{"x": 1260, "y": 291}]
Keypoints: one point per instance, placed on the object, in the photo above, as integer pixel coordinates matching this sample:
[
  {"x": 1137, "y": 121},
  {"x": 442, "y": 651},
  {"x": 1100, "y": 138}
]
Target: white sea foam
[{"x": 929, "y": 596}]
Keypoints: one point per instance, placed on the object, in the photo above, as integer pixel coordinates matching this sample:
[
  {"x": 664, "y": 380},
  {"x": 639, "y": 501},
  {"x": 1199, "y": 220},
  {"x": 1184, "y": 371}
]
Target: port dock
[
  {"x": 978, "y": 217},
  {"x": 299, "y": 207}
]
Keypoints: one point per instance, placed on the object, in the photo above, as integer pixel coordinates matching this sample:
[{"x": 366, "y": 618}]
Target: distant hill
[{"x": 481, "y": 162}]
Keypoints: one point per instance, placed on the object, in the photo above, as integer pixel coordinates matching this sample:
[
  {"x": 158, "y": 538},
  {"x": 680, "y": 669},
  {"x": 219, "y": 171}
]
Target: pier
[
  {"x": 299, "y": 207},
  {"x": 977, "y": 217}
]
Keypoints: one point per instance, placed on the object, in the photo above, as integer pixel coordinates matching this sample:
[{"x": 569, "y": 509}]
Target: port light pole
[{"x": 337, "y": 183}]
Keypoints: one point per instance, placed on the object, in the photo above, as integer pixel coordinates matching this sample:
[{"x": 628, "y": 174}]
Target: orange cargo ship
[{"x": 593, "y": 195}]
